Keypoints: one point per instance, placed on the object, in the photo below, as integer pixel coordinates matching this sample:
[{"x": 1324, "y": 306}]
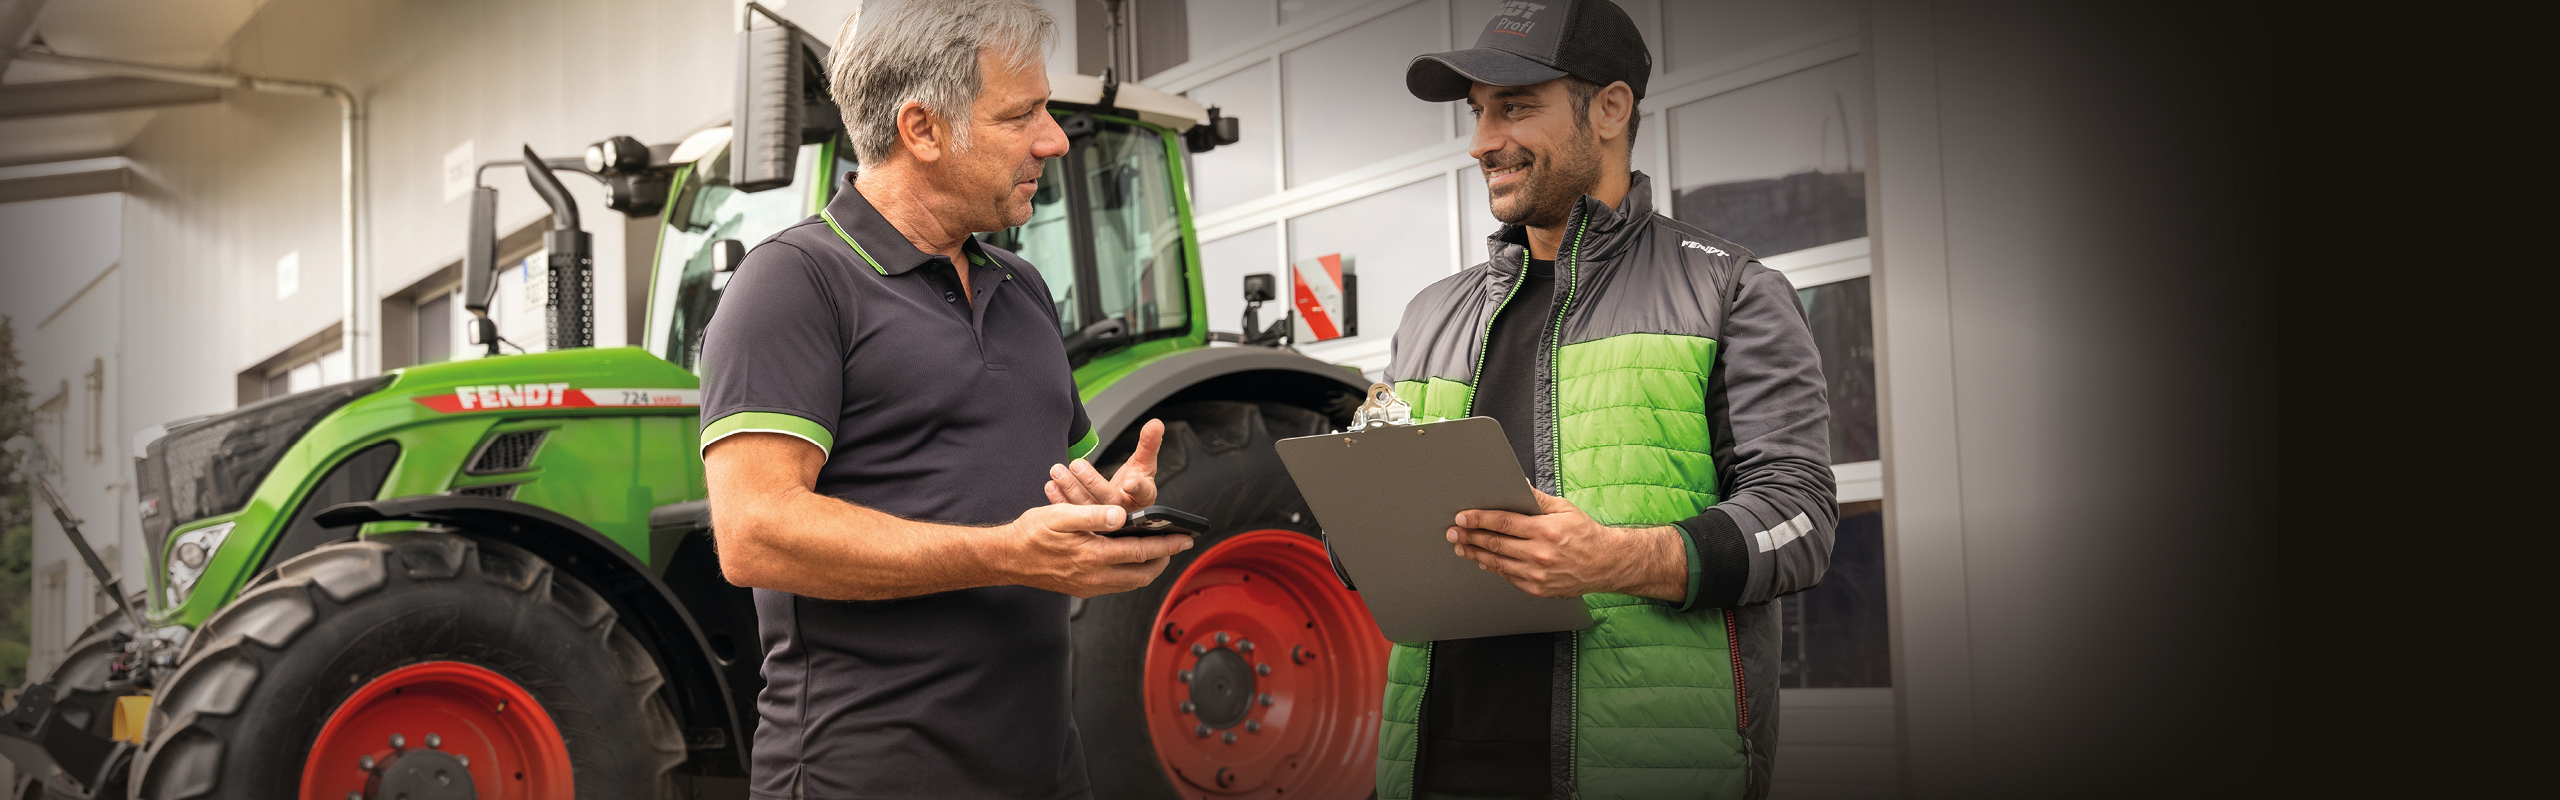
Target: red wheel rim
[
  {"x": 1309, "y": 680},
  {"x": 512, "y": 749}
]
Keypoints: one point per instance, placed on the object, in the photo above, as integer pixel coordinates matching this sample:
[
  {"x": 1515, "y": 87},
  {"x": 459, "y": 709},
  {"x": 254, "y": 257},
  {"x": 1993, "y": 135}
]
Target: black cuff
[{"x": 1724, "y": 561}]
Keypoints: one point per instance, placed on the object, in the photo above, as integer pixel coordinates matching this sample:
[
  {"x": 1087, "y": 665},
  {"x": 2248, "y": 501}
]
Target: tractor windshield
[
  {"x": 1109, "y": 244},
  {"x": 1124, "y": 189},
  {"x": 705, "y": 211}
]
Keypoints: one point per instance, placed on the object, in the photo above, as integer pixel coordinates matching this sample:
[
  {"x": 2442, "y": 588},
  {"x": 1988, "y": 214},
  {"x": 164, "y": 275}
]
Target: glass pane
[
  {"x": 1045, "y": 242},
  {"x": 1844, "y": 326},
  {"x": 1248, "y": 169},
  {"x": 1137, "y": 239},
  {"x": 1400, "y": 239},
  {"x": 1775, "y": 166},
  {"x": 704, "y": 213},
  {"x": 435, "y": 329},
  {"x": 1702, "y": 31},
  {"x": 1223, "y": 265},
  {"x": 1219, "y": 24},
  {"x": 1347, "y": 105},
  {"x": 1835, "y": 633}
]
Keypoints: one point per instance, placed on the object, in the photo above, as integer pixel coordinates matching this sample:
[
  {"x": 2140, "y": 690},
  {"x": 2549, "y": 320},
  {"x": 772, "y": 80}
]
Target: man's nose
[
  {"x": 1051, "y": 141},
  {"x": 1488, "y": 139}
]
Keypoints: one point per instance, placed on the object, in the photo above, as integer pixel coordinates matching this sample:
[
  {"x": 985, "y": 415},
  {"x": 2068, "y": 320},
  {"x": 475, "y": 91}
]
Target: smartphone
[{"x": 1160, "y": 520}]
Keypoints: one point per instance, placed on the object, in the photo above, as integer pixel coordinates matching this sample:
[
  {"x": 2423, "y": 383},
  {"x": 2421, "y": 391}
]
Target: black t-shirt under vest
[{"x": 1486, "y": 720}]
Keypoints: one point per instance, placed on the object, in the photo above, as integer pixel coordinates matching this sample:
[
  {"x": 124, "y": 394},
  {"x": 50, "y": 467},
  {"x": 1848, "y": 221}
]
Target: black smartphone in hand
[{"x": 1160, "y": 520}]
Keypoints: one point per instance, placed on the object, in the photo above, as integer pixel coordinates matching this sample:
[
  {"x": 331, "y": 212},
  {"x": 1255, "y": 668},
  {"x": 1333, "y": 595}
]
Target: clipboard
[{"x": 1386, "y": 494}]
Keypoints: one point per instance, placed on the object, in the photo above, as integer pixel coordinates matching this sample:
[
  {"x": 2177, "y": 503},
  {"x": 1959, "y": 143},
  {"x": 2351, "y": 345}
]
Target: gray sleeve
[{"x": 1767, "y": 409}]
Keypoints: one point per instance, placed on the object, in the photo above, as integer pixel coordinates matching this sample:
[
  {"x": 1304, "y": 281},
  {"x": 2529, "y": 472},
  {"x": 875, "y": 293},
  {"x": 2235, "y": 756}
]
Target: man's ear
[
  {"x": 1612, "y": 108},
  {"x": 921, "y": 134}
]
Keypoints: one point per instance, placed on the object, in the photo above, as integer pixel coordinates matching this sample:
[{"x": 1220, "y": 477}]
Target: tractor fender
[
  {"x": 1210, "y": 373},
  {"x": 653, "y": 613}
]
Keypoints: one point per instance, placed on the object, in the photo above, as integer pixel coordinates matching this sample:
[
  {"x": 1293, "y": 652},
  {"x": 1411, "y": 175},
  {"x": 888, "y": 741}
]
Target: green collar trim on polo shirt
[{"x": 830, "y": 217}]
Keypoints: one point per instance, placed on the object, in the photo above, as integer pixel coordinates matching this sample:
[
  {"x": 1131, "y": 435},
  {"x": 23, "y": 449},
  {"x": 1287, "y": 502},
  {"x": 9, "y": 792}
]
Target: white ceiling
[{"x": 187, "y": 34}]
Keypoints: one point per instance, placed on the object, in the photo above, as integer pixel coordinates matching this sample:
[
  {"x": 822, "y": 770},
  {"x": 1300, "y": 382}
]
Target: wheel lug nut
[
  {"x": 1185, "y": 675},
  {"x": 466, "y": 760},
  {"x": 355, "y": 796},
  {"x": 398, "y": 741},
  {"x": 1199, "y": 649},
  {"x": 1230, "y": 738},
  {"x": 434, "y": 741},
  {"x": 1263, "y": 668},
  {"x": 1253, "y": 726},
  {"x": 1203, "y": 730},
  {"x": 364, "y": 763},
  {"x": 1265, "y": 699},
  {"x": 1187, "y": 706},
  {"x": 1246, "y": 646}
]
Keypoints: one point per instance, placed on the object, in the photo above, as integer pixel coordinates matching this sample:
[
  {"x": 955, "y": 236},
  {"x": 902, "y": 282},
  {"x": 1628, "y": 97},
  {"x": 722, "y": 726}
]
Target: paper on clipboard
[{"x": 1386, "y": 493}]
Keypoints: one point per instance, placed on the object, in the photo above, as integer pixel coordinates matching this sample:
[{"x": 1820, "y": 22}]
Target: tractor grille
[
  {"x": 211, "y": 465},
  {"x": 496, "y": 491},
  {"x": 506, "y": 452}
]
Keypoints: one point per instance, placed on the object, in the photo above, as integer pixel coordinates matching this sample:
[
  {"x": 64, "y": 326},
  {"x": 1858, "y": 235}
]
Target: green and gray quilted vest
[{"x": 1657, "y": 689}]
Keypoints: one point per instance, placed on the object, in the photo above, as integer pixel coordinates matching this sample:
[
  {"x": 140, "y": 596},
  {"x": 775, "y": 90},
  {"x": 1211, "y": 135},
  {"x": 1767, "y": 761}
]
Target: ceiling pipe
[{"x": 356, "y": 288}]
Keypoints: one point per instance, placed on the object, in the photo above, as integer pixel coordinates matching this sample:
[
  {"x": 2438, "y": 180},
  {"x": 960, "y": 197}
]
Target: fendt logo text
[{"x": 556, "y": 395}]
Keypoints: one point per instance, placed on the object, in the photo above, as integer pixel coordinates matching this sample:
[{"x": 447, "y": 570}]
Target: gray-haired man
[{"x": 874, "y": 366}]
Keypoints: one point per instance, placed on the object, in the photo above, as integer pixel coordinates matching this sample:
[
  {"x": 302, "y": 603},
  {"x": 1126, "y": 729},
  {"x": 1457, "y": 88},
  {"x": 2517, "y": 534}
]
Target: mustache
[{"x": 1504, "y": 159}]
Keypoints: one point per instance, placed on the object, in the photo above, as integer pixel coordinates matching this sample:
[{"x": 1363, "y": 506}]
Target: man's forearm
[{"x": 809, "y": 544}]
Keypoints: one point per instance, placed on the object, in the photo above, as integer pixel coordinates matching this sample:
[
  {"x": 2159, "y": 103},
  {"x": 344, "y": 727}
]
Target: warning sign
[{"x": 1326, "y": 295}]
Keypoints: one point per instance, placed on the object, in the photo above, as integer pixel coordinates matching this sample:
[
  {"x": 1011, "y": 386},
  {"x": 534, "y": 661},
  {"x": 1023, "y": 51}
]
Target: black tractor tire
[
  {"x": 1217, "y": 462},
  {"x": 264, "y": 674},
  {"x": 82, "y": 698}
]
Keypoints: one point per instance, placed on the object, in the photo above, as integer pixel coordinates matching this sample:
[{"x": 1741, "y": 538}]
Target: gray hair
[{"x": 926, "y": 51}]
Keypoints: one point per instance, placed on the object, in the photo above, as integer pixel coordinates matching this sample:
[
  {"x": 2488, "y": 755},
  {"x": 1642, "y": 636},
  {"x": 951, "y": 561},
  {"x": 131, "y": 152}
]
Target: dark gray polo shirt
[{"x": 931, "y": 406}]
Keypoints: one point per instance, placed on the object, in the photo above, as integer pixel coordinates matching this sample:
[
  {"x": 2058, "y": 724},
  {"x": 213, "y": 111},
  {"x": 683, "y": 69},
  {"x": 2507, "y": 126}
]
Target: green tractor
[{"x": 495, "y": 578}]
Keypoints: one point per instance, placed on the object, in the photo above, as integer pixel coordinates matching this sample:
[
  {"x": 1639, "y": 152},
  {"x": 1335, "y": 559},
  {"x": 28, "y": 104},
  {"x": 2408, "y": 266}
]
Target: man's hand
[
  {"x": 1562, "y": 552},
  {"x": 1060, "y": 549},
  {"x": 1133, "y": 488}
]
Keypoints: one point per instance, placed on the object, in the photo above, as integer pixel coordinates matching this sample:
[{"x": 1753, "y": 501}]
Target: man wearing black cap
[{"x": 1661, "y": 389}]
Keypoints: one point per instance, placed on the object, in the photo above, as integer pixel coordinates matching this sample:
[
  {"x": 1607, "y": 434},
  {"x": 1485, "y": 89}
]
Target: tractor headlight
[{"x": 188, "y": 557}]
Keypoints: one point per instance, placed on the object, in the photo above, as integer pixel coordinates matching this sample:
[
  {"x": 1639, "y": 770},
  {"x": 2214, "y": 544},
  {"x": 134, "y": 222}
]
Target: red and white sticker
[
  {"x": 556, "y": 395},
  {"x": 1316, "y": 290}
]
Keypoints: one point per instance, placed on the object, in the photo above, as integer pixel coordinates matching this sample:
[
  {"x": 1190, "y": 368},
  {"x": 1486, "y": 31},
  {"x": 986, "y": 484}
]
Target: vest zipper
[
  {"x": 1555, "y": 454},
  {"x": 1484, "y": 340},
  {"x": 1421, "y": 714},
  {"x": 1741, "y": 692}
]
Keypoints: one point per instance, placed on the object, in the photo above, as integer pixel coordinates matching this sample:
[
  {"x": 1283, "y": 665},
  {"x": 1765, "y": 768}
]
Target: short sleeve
[
  {"x": 773, "y": 354},
  {"x": 1080, "y": 437}
]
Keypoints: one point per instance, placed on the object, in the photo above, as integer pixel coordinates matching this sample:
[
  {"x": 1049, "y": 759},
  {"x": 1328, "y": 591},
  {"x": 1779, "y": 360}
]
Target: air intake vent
[
  {"x": 506, "y": 452},
  {"x": 498, "y": 491}
]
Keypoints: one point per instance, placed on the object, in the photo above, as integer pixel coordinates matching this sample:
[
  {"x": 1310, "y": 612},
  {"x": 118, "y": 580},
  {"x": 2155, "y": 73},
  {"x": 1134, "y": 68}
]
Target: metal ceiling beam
[
  {"x": 96, "y": 95},
  {"x": 17, "y": 25},
  {"x": 74, "y": 184}
]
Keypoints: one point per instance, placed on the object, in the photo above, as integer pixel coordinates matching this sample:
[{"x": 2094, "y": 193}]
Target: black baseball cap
[{"x": 1535, "y": 41}]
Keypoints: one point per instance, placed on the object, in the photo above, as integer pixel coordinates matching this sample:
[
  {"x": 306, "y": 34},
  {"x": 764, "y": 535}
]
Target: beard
[{"x": 1548, "y": 188}]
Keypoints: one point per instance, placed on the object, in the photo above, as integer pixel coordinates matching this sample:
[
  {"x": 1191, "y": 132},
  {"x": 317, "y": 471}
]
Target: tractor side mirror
[
  {"x": 480, "y": 253},
  {"x": 1219, "y": 131},
  {"x": 727, "y": 254},
  {"x": 1260, "y": 288},
  {"x": 782, "y": 102}
]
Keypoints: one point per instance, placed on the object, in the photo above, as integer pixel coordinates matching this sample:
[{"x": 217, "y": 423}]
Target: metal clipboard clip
[{"x": 1382, "y": 409}]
